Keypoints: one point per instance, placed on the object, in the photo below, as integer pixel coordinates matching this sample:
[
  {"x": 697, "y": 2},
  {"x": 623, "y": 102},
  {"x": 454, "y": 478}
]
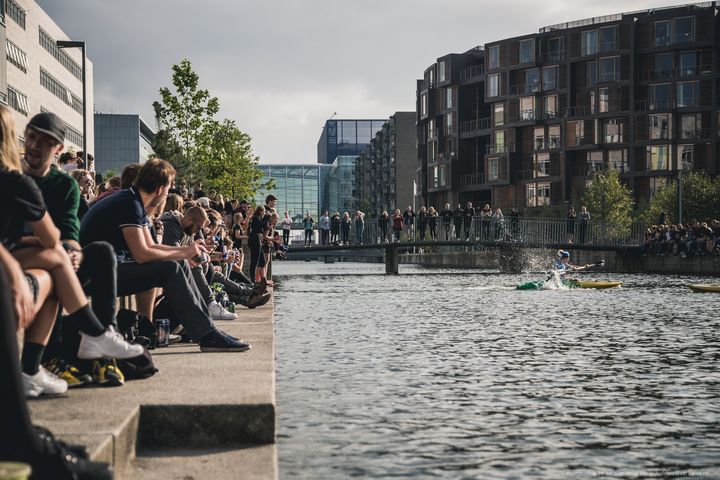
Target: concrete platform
[{"x": 217, "y": 407}]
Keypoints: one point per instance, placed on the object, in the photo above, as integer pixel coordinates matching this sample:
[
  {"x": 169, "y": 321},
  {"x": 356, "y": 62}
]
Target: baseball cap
[
  {"x": 563, "y": 254},
  {"x": 50, "y": 124}
]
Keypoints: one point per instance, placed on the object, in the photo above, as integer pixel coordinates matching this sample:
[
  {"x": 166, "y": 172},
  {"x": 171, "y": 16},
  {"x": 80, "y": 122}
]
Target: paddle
[{"x": 552, "y": 273}]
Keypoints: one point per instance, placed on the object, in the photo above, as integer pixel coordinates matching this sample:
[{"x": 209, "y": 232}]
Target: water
[{"x": 455, "y": 374}]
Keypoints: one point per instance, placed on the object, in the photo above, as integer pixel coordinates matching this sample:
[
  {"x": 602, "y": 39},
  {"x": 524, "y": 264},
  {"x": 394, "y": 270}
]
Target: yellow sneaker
[
  {"x": 107, "y": 373},
  {"x": 68, "y": 372}
]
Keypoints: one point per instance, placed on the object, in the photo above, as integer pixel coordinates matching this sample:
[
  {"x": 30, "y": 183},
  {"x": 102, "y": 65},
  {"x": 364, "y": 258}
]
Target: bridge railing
[{"x": 533, "y": 231}]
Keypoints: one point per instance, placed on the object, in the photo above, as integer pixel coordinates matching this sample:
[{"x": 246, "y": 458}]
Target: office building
[
  {"x": 339, "y": 186},
  {"x": 121, "y": 140},
  {"x": 345, "y": 138},
  {"x": 38, "y": 76},
  {"x": 298, "y": 188}
]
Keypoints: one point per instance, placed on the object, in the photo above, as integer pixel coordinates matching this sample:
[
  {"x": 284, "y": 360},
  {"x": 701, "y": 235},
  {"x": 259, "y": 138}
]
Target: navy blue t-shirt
[
  {"x": 106, "y": 219},
  {"x": 21, "y": 202}
]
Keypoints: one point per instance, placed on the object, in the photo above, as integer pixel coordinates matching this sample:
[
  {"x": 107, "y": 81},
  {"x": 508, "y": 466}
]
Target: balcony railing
[
  {"x": 695, "y": 133},
  {"x": 475, "y": 126},
  {"x": 472, "y": 180},
  {"x": 578, "y": 111},
  {"x": 499, "y": 149},
  {"x": 555, "y": 56},
  {"x": 468, "y": 73},
  {"x": 523, "y": 89},
  {"x": 579, "y": 141},
  {"x": 667, "y": 103},
  {"x": 674, "y": 73}
]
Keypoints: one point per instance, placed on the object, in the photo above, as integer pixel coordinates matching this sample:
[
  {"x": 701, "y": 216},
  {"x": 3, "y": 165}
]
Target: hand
[
  {"x": 195, "y": 249},
  {"x": 76, "y": 258}
]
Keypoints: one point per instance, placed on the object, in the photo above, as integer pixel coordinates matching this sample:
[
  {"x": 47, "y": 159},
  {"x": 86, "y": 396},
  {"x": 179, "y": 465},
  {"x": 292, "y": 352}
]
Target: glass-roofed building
[{"x": 298, "y": 188}]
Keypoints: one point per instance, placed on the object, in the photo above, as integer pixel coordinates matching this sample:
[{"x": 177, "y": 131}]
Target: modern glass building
[
  {"x": 299, "y": 188},
  {"x": 121, "y": 140},
  {"x": 339, "y": 185},
  {"x": 346, "y": 138}
]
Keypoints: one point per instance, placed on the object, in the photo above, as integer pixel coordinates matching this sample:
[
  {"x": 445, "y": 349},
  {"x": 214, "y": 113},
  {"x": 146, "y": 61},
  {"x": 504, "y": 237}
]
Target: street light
[{"x": 81, "y": 45}]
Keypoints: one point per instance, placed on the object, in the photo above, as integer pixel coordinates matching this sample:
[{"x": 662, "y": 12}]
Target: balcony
[
  {"x": 668, "y": 104},
  {"x": 696, "y": 134},
  {"x": 651, "y": 74},
  {"x": 472, "y": 73},
  {"x": 472, "y": 180},
  {"x": 525, "y": 89},
  {"x": 555, "y": 56},
  {"x": 580, "y": 141},
  {"x": 480, "y": 126},
  {"x": 499, "y": 149},
  {"x": 579, "y": 111}
]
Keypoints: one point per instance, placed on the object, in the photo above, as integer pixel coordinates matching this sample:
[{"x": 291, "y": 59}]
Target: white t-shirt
[{"x": 287, "y": 223}]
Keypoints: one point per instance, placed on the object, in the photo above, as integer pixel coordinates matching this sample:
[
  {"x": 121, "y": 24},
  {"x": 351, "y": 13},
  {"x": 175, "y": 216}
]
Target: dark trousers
[
  {"x": 255, "y": 254},
  {"x": 324, "y": 236},
  {"x": 286, "y": 236},
  {"x": 383, "y": 233},
  {"x": 183, "y": 296},
  {"x": 458, "y": 228},
  {"x": 467, "y": 223},
  {"x": 446, "y": 226},
  {"x": 308, "y": 237}
]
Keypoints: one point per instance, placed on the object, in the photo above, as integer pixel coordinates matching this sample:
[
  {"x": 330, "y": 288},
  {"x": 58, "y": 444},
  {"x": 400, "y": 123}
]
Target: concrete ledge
[{"x": 196, "y": 401}]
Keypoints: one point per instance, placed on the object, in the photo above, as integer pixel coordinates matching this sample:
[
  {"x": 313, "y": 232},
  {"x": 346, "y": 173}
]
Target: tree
[
  {"x": 700, "y": 200},
  {"x": 187, "y": 117},
  {"x": 610, "y": 204},
  {"x": 167, "y": 148}
]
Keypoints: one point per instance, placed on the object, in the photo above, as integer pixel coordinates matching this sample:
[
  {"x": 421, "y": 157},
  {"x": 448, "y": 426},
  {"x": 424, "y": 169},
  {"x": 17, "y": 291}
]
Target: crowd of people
[
  {"x": 694, "y": 238},
  {"x": 69, "y": 249}
]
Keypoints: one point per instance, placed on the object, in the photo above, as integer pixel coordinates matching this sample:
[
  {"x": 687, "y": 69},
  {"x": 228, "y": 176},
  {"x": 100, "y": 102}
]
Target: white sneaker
[
  {"x": 108, "y": 345},
  {"x": 43, "y": 383},
  {"x": 217, "y": 312}
]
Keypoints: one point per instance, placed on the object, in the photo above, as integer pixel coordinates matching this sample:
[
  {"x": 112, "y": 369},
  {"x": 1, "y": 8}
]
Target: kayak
[
  {"x": 700, "y": 287},
  {"x": 570, "y": 283}
]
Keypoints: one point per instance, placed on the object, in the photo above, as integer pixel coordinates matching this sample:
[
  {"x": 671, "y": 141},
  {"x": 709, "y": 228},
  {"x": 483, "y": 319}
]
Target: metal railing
[
  {"x": 476, "y": 71},
  {"x": 530, "y": 231},
  {"x": 473, "y": 126}
]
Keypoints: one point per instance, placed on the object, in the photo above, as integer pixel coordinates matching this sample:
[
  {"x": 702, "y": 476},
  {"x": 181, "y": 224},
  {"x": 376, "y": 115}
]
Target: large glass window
[
  {"x": 575, "y": 132},
  {"x": 550, "y": 105},
  {"x": 493, "y": 170},
  {"x": 663, "y": 65},
  {"x": 687, "y": 94},
  {"x": 494, "y": 57},
  {"x": 617, "y": 160},
  {"x": 448, "y": 97},
  {"x": 608, "y": 39},
  {"x": 691, "y": 125},
  {"x": 423, "y": 104},
  {"x": 614, "y": 128},
  {"x": 527, "y": 108},
  {"x": 500, "y": 141},
  {"x": 555, "y": 50},
  {"x": 589, "y": 42},
  {"x": 660, "y": 126},
  {"x": 364, "y": 131},
  {"x": 662, "y": 33},
  {"x": 527, "y": 51},
  {"x": 659, "y": 96},
  {"x": 498, "y": 114},
  {"x": 688, "y": 64},
  {"x": 684, "y": 30},
  {"x": 604, "y": 100},
  {"x": 532, "y": 82},
  {"x": 449, "y": 123},
  {"x": 594, "y": 161},
  {"x": 348, "y": 133},
  {"x": 609, "y": 69},
  {"x": 493, "y": 87},
  {"x": 686, "y": 157},
  {"x": 550, "y": 77},
  {"x": 657, "y": 184},
  {"x": 541, "y": 165},
  {"x": 441, "y": 72},
  {"x": 657, "y": 157},
  {"x": 539, "y": 135},
  {"x": 554, "y": 136},
  {"x": 537, "y": 194},
  {"x": 591, "y": 72}
]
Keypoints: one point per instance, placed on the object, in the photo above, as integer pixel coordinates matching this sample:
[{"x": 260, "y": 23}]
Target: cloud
[{"x": 281, "y": 67}]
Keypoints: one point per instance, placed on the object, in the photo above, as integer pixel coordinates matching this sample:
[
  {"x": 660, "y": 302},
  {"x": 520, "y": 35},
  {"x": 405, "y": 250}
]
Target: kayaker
[{"x": 563, "y": 262}]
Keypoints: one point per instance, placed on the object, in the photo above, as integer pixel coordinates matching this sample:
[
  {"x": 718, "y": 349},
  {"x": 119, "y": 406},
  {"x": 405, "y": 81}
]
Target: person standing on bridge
[
  {"x": 422, "y": 222},
  {"x": 446, "y": 215},
  {"x": 383, "y": 221},
  {"x": 359, "y": 227},
  {"x": 397, "y": 224},
  {"x": 286, "y": 227},
  {"x": 324, "y": 227},
  {"x": 468, "y": 214},
  {"x": 458, "y": 218},
  {"x": 432, "y": 223},
  {"x": 345, "y": 228},
  {"x": 308, "y": 222},
  {"x": 485, "y": 219},
  {"x": 409, "y": 220},
  {"x": 584, "y": 220},
  {"x": 570, "y": 226},
  {"x": 334, "y": 228}
]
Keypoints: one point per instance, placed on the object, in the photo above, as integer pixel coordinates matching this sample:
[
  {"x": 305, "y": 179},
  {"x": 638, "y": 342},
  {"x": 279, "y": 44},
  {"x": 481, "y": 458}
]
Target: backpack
[{"x": 137, "y": 368}]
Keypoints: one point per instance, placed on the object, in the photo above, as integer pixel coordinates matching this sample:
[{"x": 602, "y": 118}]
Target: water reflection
[{"x": 457, "y": 375}]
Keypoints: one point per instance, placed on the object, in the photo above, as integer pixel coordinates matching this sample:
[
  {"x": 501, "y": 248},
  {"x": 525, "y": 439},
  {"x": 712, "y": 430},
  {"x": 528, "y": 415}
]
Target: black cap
[{"x": 50, "y": 124}]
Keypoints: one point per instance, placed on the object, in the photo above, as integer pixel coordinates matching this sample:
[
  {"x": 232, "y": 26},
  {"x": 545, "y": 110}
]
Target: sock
[
  {"x": 87, "y": 322},
  {"x": 31, "y": 355}
]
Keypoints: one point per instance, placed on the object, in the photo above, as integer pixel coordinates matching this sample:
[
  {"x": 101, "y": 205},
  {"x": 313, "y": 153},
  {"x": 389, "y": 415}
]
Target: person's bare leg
[
  {"x": 145, "y": 302},
  {"x": 46, "y": 312}
]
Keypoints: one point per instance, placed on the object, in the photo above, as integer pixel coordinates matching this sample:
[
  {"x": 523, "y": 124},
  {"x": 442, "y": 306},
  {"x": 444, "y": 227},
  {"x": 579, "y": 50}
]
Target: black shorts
[{"x": 33, "y": 284}]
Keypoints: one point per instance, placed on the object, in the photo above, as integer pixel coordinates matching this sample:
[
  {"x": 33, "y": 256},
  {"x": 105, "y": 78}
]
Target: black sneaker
[
  {"x": 258, "y": 300},
  {"x": 217, "y": 341},
  {"x": 260, "y": 287},
  {"x": 58, "y": 460}
]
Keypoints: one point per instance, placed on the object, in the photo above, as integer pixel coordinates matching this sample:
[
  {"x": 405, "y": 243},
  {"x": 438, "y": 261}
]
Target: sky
[{"x": 280, "y": 68}]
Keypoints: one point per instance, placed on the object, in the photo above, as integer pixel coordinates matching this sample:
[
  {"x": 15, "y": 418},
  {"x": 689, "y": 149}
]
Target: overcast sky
[{"x": 280, "y": 68}]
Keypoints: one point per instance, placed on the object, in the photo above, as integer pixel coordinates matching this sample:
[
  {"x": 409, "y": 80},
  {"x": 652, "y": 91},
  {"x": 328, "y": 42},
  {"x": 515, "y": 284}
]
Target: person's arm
[
  {"x": 46, "y": 233},
  {"x": 143, "y": 249},
  {"x": 22, "y": 296}
]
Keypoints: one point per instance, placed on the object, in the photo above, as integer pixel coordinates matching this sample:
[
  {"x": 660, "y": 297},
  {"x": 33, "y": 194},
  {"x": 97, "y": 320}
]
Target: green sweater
[{"x": 62, "y": 197}]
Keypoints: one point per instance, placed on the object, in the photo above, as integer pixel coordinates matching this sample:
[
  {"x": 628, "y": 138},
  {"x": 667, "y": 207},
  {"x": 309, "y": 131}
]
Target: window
[
  {"x": 576, "y": 132},
  {"x": 591, "y": 71},
  {"x": 449, "y": 123},
  {"x": 594, "y": 162},
  {"x": 532, "y": 81},
  {"x": 685, "y": 155},
  {"x": 554, "y": 136},
  {"x": 604, "y": 96},
  {"x": 688, "y": 64},
  {"x": 441, "y": 72},
  {"x": 614, "y": 130},
  {"x": 537, "y": 194},
  {"x": 49, "y": 44},
  {"x": 662, "y": 33},
  {"x": 500, "y": 141},
  {"x": 498, "y": 114},
  {"x": 431, "y": 76},
  {"x": 608, "y": 37},
  {"x": 657, "y": 157},
  {"x": 593, "y": 106},
  {"x": 494, "y": 57},
  {"x": 550, "y": 106},
  {"x": 73, "y": 136},
  {"x": 617, "y": 160},
  {"x": 660, "y": 126},
  {"x": 684, "y": 30},
  {"x": 448, "y": 97},
  {"x": 527, "y": 108},
  {"x": 555, "y": 50},
  {"x": 493, "y": 170},
  {"x": 589, "y": 43},
  {"x": 687, "y": 94},
  {"x": 16, "y": 56},
  {"x": 431, "y": 128},
  {"x": 527, "y": 51},
  {"x": 659, "y": 96},
  {"x": 17, "y": 100},
  {"x": 16, "y": 12},
  {"x": 609, "y": 69},
  {"x": 662, "y": 65},
  {"x": 493, "y": 85},
  {"x": 539, "y": 135},
  {"x": 657, "y": 184},
  {"x": 423, "y": 105},
  {"x": 60, "y": 91},
  {"x": 541, "y": 165},
  {"x": 550, "y": 75},
  {"x": 691, "y": 125}
]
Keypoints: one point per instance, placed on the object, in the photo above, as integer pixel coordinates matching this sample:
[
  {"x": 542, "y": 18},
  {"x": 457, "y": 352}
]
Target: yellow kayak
[
  {"x": 700, "y": 287},
  {"x": 590, "y": 284}
]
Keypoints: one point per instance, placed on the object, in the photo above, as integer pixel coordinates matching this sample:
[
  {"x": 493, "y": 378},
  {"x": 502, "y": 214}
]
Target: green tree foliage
[
  {"x": 167, "y": 148},
  {"x": 700, "y": 200},
  {"x": 610, "y": 204}
]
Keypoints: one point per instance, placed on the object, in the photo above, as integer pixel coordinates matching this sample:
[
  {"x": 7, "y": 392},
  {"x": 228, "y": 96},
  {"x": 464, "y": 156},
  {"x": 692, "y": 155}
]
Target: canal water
[{"x": 455, "y": 374}]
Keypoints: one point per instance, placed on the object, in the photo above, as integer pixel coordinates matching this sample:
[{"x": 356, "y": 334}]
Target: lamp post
[{"x": 81, "y": 45}]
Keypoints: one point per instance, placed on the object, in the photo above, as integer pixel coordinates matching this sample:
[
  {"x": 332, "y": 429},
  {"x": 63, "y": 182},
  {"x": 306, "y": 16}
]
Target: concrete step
[{"x": 199, "y": 401}]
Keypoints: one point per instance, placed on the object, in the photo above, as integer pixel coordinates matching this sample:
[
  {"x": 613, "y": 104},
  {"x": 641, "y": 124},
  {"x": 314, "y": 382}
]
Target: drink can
[{"x": 162, "y": 332}]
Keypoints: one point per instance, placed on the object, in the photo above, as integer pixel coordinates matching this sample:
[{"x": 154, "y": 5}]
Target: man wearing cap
[{"x": 95, "y": 264}]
